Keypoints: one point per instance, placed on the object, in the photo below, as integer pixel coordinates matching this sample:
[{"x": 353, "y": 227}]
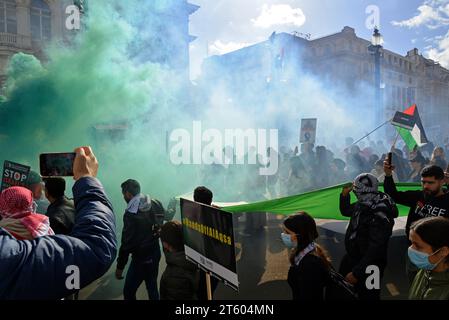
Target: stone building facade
[
  {"x": 343, "y": 60},
  {"x": 26, "y": 25},
  {"x": 406, "y": 79}
]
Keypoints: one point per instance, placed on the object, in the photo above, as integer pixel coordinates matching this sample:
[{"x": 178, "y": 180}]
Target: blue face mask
[
  {"x": 421, "y": 259},
  {"x": 287, "y": 240}
]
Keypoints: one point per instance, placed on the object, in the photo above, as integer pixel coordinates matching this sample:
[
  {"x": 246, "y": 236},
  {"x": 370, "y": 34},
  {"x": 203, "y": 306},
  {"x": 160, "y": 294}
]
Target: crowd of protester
[
  {"x": 306, "y": 168},
  {"x": 316, "y": 168},
  {"x": 82, "y": 232}
]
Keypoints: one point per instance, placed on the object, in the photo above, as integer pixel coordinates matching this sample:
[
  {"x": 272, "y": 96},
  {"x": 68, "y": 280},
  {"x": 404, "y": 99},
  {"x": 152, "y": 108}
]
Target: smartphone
[
  {"x": 389, "y": 157},
  {"x": 57, "y": 164}
]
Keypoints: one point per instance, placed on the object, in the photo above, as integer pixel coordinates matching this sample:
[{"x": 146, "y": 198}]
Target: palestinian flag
[{"x": 416, "y": 137}]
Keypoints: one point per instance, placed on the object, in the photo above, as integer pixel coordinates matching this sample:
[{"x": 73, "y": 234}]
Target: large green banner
[{"x": 320, "y": 204}]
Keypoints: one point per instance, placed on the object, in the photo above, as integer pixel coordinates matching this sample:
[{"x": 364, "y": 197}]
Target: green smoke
[{"x": 95, "y": 81}]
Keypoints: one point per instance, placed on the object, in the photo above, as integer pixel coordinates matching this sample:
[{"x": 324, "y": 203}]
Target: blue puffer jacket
[{"x": 37, "y": 269}]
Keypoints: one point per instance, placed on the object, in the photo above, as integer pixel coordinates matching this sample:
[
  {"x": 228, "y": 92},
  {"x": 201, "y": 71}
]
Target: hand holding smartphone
[
  {"x": 388, "y": 166},
  {"x": 57, "y": 164}
]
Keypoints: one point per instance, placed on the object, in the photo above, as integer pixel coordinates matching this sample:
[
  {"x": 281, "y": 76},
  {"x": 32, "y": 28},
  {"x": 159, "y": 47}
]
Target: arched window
[
  {"x": 40, "y": 20},
  {"x": 8, "y": 16}
]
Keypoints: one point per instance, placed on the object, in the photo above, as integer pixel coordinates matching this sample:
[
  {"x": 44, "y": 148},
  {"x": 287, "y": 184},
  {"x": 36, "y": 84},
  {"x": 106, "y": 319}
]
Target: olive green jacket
[{"x": 429, "y": 285}]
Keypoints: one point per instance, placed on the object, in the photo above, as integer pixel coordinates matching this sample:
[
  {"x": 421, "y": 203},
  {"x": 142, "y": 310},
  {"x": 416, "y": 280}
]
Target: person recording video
[{"x": 39, "y": 269}]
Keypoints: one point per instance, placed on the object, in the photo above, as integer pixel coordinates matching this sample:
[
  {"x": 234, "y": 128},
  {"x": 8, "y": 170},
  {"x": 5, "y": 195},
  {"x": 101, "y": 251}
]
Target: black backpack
[{"x": 155, "y": 217}]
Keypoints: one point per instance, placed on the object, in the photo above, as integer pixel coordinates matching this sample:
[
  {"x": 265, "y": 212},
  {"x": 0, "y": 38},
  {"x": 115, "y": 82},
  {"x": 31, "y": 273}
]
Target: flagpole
[
  {"x": 395, "y": 141},
  {"x": 368, "y": 134}
]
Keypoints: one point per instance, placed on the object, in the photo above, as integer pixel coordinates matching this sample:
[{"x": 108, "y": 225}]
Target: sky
[{"x": 227, "y": 25}]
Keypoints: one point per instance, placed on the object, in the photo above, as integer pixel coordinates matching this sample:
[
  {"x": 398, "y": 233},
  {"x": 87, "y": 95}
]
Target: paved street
[{"x": 262, "y": 263}]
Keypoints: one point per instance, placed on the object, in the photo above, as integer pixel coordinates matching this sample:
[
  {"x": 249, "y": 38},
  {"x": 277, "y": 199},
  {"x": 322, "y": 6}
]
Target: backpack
[
  {"x": 156, "y": 217},
  {"x": 338, "y": 288}
]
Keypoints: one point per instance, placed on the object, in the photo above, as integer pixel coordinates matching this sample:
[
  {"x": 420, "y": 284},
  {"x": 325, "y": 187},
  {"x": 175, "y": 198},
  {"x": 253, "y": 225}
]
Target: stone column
[
  {"x": 57, "y": 18},
  {"x": 23, "y": 23}
]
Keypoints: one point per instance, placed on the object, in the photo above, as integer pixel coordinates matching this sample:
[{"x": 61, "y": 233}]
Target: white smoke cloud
[{"x": 279, "y": 14}]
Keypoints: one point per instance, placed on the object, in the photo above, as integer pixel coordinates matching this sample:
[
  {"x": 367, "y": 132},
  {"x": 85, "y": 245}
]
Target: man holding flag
[{"x": 431, "y": 201}]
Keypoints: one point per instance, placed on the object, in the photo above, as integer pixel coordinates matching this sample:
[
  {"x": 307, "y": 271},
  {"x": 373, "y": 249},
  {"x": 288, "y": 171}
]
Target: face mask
[
  {"x": 287, "y": 240},
  {"x": 421, "y": 259}
]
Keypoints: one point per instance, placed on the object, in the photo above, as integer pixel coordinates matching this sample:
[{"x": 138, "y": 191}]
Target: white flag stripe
[{"x": 416, "y": 134}]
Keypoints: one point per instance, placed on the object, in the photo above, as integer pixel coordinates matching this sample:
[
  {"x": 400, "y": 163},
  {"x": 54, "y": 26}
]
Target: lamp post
[{"x": 376, "y": 50}]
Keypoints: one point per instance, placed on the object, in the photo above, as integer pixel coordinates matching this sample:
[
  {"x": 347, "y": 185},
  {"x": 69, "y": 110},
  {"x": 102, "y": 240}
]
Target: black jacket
[
  {"x": 369, "y": 231},
  {"x": 420, "y": 207},
  {"x": 62, "y": 216},
  {"x": 140, "y": 236},
  {"x": 180, "y": 278},
  {"x": 309, "y": 278}
]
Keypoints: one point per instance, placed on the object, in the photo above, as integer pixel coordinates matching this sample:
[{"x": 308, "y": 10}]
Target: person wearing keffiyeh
[
  {"x": 18, "y": 217},
  {"x": 369, "y": 230},
  {"x": 37, "y": 269}
]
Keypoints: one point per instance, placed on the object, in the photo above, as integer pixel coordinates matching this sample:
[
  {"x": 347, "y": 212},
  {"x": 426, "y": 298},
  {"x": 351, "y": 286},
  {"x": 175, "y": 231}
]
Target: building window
[
  {"x": 8, "y": 17},
  {"x": 40, "y": 20}
]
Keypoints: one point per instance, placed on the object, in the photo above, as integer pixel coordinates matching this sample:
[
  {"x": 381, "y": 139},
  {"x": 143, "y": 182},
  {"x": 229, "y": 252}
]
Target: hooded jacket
[
  {"x": 369, "y": 230},
  {"x": 140, "y": 237}
]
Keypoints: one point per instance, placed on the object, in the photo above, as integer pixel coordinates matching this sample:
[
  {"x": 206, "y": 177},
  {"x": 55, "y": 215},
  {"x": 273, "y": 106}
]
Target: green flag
[{"x": 321, "y": 204}]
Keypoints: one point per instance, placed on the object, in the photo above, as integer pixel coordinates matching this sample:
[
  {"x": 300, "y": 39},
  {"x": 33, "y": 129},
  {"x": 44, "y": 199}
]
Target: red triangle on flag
[{"x": 411, "y": 111}]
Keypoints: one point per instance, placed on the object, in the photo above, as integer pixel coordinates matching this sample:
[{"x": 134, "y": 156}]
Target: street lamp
[
  {"x": 377, "y": 39},
  {"x": 376, "y": 50}
]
